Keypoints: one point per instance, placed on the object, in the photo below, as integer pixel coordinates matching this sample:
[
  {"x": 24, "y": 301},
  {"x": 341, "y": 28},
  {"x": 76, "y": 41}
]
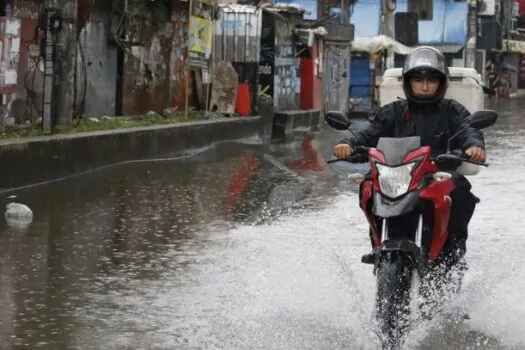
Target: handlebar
[
  {"x": 359, "y": 155},
  {"x": 455, "y": 157}
]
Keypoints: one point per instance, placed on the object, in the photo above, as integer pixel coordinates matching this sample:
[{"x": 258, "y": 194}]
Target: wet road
[{"x": 240, "y": 247}]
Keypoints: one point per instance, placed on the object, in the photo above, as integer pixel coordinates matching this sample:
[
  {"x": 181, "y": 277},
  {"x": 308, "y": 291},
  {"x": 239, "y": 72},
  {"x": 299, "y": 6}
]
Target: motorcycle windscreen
[{"x": 395, "y": 149}]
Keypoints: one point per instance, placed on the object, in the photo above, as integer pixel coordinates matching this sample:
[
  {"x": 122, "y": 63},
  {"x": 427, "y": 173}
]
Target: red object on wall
[
  {"x": 312, "y": 77},
  {"x": 522, "y": 7}
]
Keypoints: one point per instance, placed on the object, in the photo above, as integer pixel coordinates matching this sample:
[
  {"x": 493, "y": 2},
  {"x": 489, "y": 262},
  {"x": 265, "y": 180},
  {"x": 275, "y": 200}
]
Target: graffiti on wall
[
  {"x": 265, "y": 71},
  {"x": 287, "y": 86},
  {"x": 279, "y": 74},
  {"x": 266, "y": 59}
]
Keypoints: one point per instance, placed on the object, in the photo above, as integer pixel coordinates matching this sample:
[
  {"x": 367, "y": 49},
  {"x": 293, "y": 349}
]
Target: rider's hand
[
  {"x": 477, "y": 154},
  {"x": 343, "y": 150}
]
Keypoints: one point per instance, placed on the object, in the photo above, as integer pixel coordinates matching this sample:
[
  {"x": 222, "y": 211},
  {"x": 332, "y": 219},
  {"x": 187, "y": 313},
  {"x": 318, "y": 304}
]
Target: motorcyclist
[{"x": 426, "y": 113}]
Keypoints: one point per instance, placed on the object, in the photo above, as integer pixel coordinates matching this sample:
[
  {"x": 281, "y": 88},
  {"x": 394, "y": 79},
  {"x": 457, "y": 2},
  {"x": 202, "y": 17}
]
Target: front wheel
[{"x": 394, "y": 276}]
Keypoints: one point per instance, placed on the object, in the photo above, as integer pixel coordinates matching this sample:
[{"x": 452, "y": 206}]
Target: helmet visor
[{"x": 425, "y": 59}]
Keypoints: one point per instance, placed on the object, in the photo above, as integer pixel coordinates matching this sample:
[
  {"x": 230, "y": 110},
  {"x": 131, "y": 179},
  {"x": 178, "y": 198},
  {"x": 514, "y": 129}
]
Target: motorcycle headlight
[{"x": 394, "y": 181}]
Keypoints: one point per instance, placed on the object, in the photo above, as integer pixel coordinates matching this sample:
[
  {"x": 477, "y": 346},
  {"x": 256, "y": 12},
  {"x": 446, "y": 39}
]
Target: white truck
[{"x": 465, "y": 87}]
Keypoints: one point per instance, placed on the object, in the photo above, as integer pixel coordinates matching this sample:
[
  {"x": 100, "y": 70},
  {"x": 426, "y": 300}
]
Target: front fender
[{"x": 401, "y": 246}]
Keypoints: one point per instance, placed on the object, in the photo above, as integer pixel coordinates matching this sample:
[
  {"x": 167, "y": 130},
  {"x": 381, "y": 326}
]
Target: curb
[{"x": 38, "y": 159}]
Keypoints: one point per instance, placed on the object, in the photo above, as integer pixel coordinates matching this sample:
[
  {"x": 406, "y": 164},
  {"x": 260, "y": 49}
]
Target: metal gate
[
  {"x": 335, "y": 81},
  {"x": 361, "y": 85}
]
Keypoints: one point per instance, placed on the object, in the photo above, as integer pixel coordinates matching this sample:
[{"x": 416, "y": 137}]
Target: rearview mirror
[
  {"x": 483, "y": 119},
  {"x": 337, "y": 120}
]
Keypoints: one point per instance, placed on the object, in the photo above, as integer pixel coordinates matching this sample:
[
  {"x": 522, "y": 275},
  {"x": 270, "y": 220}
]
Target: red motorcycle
[{"x": 406, "y": 200}]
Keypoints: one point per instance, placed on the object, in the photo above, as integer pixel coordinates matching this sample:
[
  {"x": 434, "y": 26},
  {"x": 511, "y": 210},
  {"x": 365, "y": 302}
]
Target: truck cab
[{"x": 465, "y": 86}]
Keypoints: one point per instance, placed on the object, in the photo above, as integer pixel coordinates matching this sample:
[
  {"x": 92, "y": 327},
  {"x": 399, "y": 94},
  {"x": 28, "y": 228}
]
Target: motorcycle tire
[{"x": 394, "y": 276}]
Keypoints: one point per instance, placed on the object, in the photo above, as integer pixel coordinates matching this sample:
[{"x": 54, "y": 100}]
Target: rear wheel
[{"x": 394, "y": 276}]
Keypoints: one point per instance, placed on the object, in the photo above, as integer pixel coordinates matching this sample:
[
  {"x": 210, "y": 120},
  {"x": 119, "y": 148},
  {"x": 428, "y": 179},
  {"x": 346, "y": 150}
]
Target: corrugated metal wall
[
  {"x": 238, "y": 33},
  {"x": 238, "y": 41}
]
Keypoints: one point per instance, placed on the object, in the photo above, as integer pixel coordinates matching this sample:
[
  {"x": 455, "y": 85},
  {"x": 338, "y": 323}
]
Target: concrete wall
[
  {"x": 148, "y": 71},
  {"x": 146, "y": 78},
  {"x": 36, "y": 159},
  {"x": 285, "y": 123},
  {"x": 97, "y": 64}
]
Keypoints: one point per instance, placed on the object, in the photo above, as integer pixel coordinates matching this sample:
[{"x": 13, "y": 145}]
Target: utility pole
[
  {"x": 472, "y": 26},
  {"x": 388, "y": 8},
  {"x": 48, "y": 55},
  {"x": 65, "y": 60}
]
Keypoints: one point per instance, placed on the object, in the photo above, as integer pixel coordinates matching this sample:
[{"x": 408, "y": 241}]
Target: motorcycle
[{"x": 406, "y": 201}]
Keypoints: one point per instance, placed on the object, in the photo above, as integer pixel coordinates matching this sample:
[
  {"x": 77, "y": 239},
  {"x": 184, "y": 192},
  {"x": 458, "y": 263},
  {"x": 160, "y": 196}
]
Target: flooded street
[{"x": 241, "y": 247}]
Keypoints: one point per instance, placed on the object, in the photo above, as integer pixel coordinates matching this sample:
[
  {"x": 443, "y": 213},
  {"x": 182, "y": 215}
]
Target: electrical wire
[{"x": 78, "y": 107}]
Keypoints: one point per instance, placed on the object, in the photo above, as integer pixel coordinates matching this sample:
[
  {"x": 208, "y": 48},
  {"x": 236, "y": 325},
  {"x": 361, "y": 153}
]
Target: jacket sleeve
[
  {"x": 459, "y": 120},
  {"x": 378, "y": 125}
]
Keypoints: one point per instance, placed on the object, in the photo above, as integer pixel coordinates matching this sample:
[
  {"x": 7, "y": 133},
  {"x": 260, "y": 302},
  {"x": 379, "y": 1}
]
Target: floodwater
[{"x": 241, "y": 247}]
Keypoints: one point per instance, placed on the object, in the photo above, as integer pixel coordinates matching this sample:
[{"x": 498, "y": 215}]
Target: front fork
[
  {"x": 385, "y": 236},
  {"x": 419, "y": 231}
]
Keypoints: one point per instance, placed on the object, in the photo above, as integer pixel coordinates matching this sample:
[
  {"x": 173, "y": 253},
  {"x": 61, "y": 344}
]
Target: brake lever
[
  {"x": 464, "y": 158},
  {"x": 452, "y": 156},
  {"x": 360, "y": 152}
]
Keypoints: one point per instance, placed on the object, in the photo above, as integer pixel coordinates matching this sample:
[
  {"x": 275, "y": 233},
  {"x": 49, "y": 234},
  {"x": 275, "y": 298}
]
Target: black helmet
[{"x": 425, "y": 61}]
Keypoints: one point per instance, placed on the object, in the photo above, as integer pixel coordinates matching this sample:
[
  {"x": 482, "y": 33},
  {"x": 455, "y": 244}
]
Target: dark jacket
[{"x": 433, "y": 123}]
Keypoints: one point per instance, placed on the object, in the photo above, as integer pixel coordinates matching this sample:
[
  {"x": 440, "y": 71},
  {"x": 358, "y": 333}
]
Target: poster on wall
[
  {"x": 9, "y": 54},
  {"x": 200, "y": 33},
  {"x": 200, "y": 36}
]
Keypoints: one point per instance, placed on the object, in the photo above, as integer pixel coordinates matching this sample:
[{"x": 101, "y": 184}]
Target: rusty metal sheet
[
  {"x": 179, "y": 56},
  {"x": 84, "y": 8},
  {"x": 147, "y": 60}
]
